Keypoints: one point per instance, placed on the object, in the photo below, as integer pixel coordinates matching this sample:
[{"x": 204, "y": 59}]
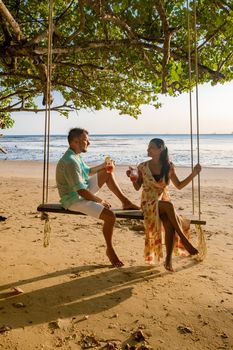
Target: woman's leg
[
  {"x": 169, "y": 241},
  {"x": 168, "y": 209}
]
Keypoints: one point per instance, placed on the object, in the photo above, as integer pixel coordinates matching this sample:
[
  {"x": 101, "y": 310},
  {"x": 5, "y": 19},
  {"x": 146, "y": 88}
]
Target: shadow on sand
[{"x": 88, "y": 290}]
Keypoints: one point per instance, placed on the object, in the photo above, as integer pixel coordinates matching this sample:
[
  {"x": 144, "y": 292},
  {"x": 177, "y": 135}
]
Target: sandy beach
[{"x": 68, "y": 296}]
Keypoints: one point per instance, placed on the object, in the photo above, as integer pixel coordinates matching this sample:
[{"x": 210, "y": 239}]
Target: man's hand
[{"x": 106, "y": 204}]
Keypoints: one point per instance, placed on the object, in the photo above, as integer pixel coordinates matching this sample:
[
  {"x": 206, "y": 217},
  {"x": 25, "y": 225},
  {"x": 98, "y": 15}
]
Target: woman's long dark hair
[{"x": 164, "y": 158}]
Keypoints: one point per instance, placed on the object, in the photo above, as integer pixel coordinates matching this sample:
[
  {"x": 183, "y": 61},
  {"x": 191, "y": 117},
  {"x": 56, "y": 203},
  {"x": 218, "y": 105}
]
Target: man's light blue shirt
[{"x": 72, "y": 174}]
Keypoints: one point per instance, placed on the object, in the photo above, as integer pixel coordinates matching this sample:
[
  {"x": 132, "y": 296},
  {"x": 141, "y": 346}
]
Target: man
[{"x": 78, "y": 185}]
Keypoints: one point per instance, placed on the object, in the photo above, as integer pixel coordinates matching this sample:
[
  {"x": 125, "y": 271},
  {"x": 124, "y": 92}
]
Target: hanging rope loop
[
  {"x": 197, "y": 105},
  {"x": 190, "y": 100},
  {"x": 48, "y": 101},
  {"x": 201, "y": 246},
  {"x": 47, "y": 229}
]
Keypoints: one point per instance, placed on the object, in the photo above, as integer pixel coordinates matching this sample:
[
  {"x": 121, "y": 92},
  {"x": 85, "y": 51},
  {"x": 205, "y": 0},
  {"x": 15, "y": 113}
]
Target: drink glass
[
  {"x": 133, "y": 174},
  {"x": 109, "y": 165}
]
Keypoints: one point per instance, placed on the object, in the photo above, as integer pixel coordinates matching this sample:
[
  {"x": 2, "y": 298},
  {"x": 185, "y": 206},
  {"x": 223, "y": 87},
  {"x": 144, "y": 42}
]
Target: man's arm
[
  {"x": 96, "y": 168},
  {"x": 86, "y": 194}
]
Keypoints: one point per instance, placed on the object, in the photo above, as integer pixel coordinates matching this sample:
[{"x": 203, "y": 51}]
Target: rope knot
[{"x": 47, "y": 228}]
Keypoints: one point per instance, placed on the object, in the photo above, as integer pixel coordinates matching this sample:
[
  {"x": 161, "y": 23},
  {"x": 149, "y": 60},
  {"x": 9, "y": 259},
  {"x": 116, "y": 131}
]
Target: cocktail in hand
[
  {"x": 109, "y": 165},
  {"x": 133, "y": 174}
]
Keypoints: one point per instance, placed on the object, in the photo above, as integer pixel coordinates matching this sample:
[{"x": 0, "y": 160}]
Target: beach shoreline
[
  {"x": 20, "y": 168},
  {"x": 70, "y": 292},
  {"x": 214, "y": 150}
]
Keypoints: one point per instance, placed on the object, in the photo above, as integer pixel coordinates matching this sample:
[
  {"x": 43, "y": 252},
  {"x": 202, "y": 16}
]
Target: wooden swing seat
[{"x": 120, "y": 214}]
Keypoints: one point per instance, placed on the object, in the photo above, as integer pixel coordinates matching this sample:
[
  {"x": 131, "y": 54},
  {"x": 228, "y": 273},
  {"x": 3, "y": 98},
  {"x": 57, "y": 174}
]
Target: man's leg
[
  {"x": 109, "y": 179},
  {"x": 98, "y": 211},
  {"x": 109, "y": 219}
]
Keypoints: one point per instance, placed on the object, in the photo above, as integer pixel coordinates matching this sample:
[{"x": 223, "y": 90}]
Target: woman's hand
[
  {"x": 196, "y": 169},
  {"x": 128, "y": 172}
]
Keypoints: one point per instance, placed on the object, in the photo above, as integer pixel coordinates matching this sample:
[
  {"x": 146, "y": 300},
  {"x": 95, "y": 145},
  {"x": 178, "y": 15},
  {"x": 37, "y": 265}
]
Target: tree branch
[
  {"x": 61, "y": 108},
  {"x": 20, "y": 75},
  {"x": 211, "y": 35},
  {"x": 111, "y": 17},
  {"x": 39, "y": 50},
  {"x": 81, "y": 26},
  {"x": 18, "y": 92},
  {"x": 18, "y": 35},
  {"x": 63, "y": 12},
  {"x": 224, "y": 61},
  {"x": 79, "y": 66},
  {"x": 72, "y": 87},
  {"x": 167, "y": 39},
  {"x": 5, "y": 29}
]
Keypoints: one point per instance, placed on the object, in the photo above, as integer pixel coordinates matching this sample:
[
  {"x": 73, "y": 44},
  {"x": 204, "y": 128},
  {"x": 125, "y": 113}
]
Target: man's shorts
[{"x": 89, "y": 207}]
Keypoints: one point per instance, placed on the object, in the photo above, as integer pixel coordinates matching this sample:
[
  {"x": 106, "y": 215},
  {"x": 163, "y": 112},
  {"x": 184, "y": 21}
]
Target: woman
[{"x": 154, "y": 175}]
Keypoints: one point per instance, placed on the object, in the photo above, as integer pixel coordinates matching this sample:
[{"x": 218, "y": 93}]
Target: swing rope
[
  {"x": 44, "y": 215},
  {"x": 197, "y": 102},
  {"x": 190, "y": 101},
  {"x": 197, "y": 106},
  {"x": 201, "y": 245}
]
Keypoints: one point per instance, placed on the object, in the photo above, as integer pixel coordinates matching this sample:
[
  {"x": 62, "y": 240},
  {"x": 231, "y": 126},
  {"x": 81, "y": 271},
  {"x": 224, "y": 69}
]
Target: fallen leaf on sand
[
  {"x": 89, "y": 341},
  {"x": 18, "y": 305},
  {"x": 17, "y": 290},
  {"x": 4, "y": 329},
  {"x": 184, "y": 330}
]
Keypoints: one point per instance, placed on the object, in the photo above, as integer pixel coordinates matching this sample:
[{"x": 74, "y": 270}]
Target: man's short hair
[{"x": 75, "y": 132}]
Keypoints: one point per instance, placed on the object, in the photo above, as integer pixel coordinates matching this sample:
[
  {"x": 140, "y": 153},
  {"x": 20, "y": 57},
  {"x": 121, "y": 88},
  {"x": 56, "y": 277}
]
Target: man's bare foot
[
  {"x": 128, "y": 205},
  {"x": 168, "y": 265},
  {"x": 114, "y": 260}
]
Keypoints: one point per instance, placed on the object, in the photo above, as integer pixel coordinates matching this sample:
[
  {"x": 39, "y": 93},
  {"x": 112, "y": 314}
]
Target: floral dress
[{"x": 152, "y": 192}]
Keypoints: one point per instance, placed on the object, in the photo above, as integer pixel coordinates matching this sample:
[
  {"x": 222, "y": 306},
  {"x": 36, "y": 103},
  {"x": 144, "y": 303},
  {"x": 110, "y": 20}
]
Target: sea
[{"x": 216, "y": 150}]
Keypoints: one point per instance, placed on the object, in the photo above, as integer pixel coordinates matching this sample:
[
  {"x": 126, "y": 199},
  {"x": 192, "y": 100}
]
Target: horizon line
[{"x": 109, "y": 134}]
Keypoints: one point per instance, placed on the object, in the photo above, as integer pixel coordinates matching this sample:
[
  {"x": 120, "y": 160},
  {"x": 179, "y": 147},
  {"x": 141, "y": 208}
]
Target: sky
[{"x": 215, "y": 116}]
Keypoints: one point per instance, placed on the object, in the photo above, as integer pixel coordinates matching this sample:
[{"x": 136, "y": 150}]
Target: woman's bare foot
[
  {"x": 190, "y": 248},
  {"x": 114, "y": 260},
  {"x": 192, "y": 251},
  {"x": 128, "y": 205},
  {"x": 168, "y": 265}
]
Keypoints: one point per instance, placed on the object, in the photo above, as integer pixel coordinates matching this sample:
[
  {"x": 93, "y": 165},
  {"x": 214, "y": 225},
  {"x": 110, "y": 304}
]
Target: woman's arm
[
  {"x": 180, "y": 184},
  {"x": 137, "y": 184}
]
